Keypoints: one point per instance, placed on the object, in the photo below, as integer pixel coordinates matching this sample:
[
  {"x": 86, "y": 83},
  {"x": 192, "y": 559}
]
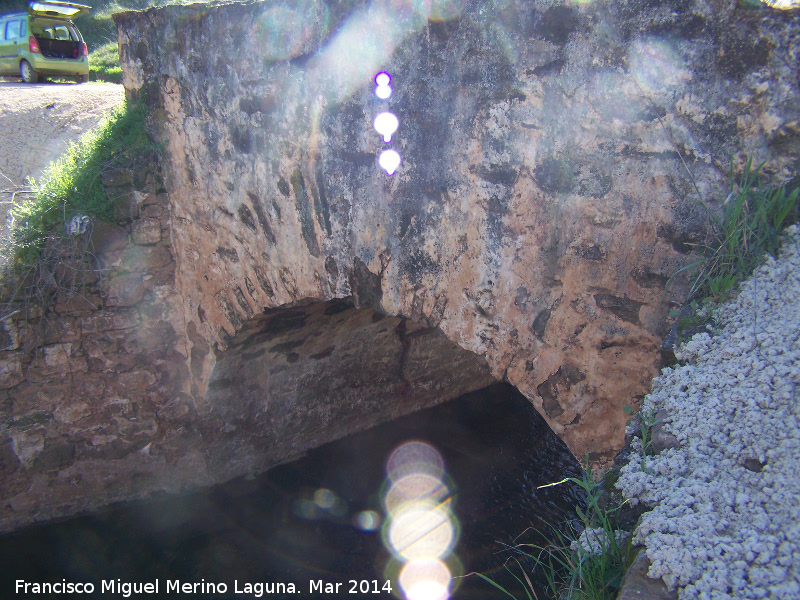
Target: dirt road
[{"x": 37, "y": 123}]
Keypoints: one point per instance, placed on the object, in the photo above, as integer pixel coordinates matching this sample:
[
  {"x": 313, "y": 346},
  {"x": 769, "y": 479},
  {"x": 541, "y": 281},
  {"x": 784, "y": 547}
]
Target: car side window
[{"x": 12, "y": 30}]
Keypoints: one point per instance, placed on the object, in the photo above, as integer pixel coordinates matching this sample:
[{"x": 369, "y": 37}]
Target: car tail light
[
  {"x": 84, "y": 49},
  {"x": 33, "y": 46}
]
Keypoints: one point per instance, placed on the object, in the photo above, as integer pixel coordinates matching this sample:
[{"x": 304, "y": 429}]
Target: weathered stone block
[
  {"x": 146, "y": 232},
  {"x": 10, "y": 370},
  {"x": 126, "y": 290},
  {"x": 122, "y": 318},
  {"x": 108, "y": 237},
  {"x": 57, "y": 355}
]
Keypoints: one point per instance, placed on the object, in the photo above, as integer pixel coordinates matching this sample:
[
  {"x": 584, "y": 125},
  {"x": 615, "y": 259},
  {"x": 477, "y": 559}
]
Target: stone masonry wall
[{"x": 555, "y": 162}]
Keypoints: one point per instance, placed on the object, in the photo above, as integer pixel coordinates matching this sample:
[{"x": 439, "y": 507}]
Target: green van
[{"x": 44, "y": 42}]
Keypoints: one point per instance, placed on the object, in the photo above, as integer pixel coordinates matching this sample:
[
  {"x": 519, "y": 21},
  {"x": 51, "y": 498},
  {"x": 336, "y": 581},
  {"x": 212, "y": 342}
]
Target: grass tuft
[
  {"x": 585, "y": 559},
  {"x": 753, "y": 217}
]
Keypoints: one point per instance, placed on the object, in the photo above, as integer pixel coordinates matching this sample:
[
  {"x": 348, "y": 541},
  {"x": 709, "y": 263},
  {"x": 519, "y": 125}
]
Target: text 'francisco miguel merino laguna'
[{"x": 126, "y": 589}]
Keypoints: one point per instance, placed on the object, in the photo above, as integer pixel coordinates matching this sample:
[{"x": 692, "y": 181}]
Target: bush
[{"x": 104, "y": 64}]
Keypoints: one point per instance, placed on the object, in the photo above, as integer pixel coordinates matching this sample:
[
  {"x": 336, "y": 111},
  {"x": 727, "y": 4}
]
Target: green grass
[
  {"x": 104, "y": 64},
  {"x": 73, "y": 184},
  {"x": 752, "y": 219},
  {"x": 570, "y": 571}
]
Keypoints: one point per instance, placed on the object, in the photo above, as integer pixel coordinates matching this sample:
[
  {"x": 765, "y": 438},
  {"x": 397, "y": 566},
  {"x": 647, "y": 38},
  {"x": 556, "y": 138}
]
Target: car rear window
[
  {"x": 54, "y": 30},
  {"x": 12, "y": 29}
]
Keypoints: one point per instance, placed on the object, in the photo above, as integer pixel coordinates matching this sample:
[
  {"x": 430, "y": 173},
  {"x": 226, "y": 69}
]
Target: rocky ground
[
  {"x": 726, "y": 516},
  {"x": 37, "y": 123}
]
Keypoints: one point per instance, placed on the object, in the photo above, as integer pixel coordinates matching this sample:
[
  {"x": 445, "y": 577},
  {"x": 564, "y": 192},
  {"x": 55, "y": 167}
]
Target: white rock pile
[{"x": 725, "y": 521}]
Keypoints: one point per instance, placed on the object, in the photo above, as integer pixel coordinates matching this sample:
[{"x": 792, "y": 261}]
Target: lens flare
[
  {"x": 425, "y": 579},
  {"x": 367, "y": 520},
  {"x": 389, "y": 161},
  {"x": 386, "y": 124},
  {"x": 421, "y": 530},
  {"x": 383, "y": 89}
]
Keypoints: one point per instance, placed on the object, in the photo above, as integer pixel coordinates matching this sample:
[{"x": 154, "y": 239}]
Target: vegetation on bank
[
  {"x": 48, "y": 246},
  {"x": 753, "y": 217}
]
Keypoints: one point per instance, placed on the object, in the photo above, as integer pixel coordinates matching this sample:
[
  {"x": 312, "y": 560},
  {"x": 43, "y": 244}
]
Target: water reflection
[{"x": 468, "y": 483}]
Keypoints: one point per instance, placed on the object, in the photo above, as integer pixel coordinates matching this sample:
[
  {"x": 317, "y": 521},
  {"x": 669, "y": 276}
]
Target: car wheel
[
  {"x": 82, "y": 78},
  {"x": 27, "y": 73}
]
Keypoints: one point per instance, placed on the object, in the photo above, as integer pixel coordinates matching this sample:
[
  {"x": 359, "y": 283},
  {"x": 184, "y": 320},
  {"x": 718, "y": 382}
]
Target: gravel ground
[
  {"x": 37, "y": 123},
  {"x": 726, "y": 521}
]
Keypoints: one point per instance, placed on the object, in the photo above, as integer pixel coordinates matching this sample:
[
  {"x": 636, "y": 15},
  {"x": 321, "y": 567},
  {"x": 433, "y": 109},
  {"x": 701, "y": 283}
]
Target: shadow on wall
[{"x": 296, "y": 378}]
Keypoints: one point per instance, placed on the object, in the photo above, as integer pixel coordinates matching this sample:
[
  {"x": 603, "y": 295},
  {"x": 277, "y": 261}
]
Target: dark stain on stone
[
  {"x": 285, "y": 347},
  {"x": 247, "y": 217},
  {"x": 359, "y": 159},
  {"x": 688, "y": 228},
  {"x": 737, "y": 56},
  {"x": 228, "y": 310},
  {"x": 555, "y": 175},
  {"x": 242, "y": 302},
  {"x": 553, "y": 67},
  {"x": 5, "y": 339},
  {"x": 201, "y": 314},
  {"x": 321, "y": 203},
  {"x": 292, "y": 357},
  {"x": 378, "y": 316},
  {"x": 442, "y": 30},
  {"x": 263, "y": 282},
  {"x": 624, "y": 308},
  {"x": 288, "y": 281},
  {"x": 522, "y": 298},
  {"x": 285, "y": 321},
  {"x": 251, "y": 289},
  {"x": 497, "y": 174},
  {"x": 592, "y": 252},
  {"x": 648, "y": 279},
  {"x": 9, "y": 462},
  {"x": 365, "y": 285},
  {"x": 559, "y": 382},
  {"x": 557, "y": 23},
  {"x": 325, "y": 353},
  {"x": 241, "y": 139},
  {"x": 277, "y": 209},
  {"x": 225, "y": 211},
  {"x": 331, "y": 269},
  {"x": 54, "y": 457},
  {"x": 29, "y": 420},
  {"x": 262, "y": 217},
  {"x": 652, "y": 112},
  {"x": 283, "y": 187},
  {"x": 228, "y": 254},
  {"x": 221, "y": 384},
  {"x": 595, "y": 184},
  {"x": 539, "y": 324},
  {"x": 257, "y": 104},
  {"x": 337, "y": 306},
  {"x": 257, "y": 354},
  {"x": 303, "y": 203}
]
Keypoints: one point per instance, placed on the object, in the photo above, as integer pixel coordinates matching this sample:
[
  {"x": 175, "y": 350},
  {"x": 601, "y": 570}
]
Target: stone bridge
[{"x": 556, "y": 160}]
